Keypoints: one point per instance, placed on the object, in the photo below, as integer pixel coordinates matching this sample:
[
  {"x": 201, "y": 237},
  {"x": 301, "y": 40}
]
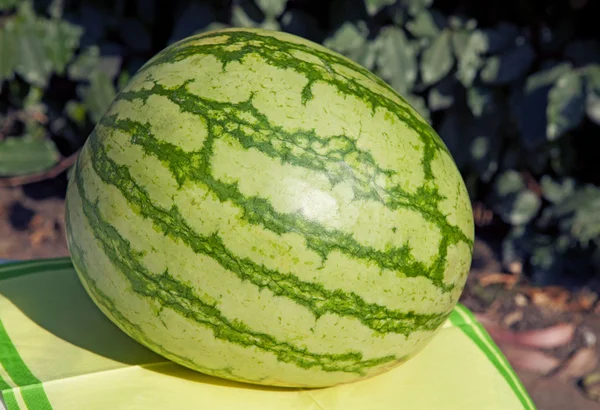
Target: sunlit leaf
[
  {"x": 514, "y": 203},
  {"x": 415, "y": 6},
  {"x": 98, "y": 95},
  {"x": 592, "y": 103},
  {"x": 61, "y": 40},
  {"x": 437, "y": 59},
  {"x": 241, "y": 18},
  {"x": 555, "y": 191},
  {"x": 510, "y": 182},
  {"x": 460, "y": 40},
  {"x": 423, "y": 25},
  {"x": 566, "y": 105},
  {"x": 396, "y": 59},
  {"x": 34, "y": 63},
  {"x": 271, "y": 8},
  {"x": 22, "y": 156},
  {"x": 374, "y": 6},
  {"x": 470, "y": 56},
  {"x": 578, "y": 214},
  {"x": 85, "y": 63},
  {"x": 351, "y": 40}
]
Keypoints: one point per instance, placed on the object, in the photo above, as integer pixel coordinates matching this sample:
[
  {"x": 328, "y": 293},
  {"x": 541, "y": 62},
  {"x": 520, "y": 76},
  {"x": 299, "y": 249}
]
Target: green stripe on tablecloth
[
  {"x": 462, "y": 318},
  {"x": 30, "y": 386}
]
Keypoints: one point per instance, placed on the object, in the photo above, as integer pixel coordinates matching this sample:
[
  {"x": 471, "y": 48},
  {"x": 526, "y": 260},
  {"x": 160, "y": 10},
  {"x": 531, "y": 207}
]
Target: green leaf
[
  {"x": 423, "y": 25},
  {"x": 555, "y": 191},
  {"x": 461, "y": 23},
  {"x": 8, "y": 4},
  {"x": 469, "y": 56},
  {"x": 34, "y": 63},
  {"x": 592, "y": 102},
  {"x": 566, "y": 105},
  {"x": 374, "y": 6},
  {"x": 578, "y": 215},
  {"x": 510, "y": 182},
  {"x": 272, "y": 8},
  {"x": 508, "y": 66},
  {"x": 55, "y": 9},
  {"x": 513, "y": 202},
  {"x": 396, "y": 59},
  {"x": 89, "y": 62},
  {"x": 351, "y": 40},
  {"x": 85, "y": 64},
  {"x": 98, "y": 95},
  {"x": 547, "y": 77},
  {"x": 22, "y": 156},
  {"x": 460, "y": 40},
  {"x": 8, "y": 51},
  {"x": 524, "y": 207},
  {"x": 415, "y": 6},
  {"x": 61, "y": 40},
  {"x": 246, "y": 14},
  {"x": 76, "y": 112},
  {"x": 347, "y": 37},
  {"x": 437, "y": 59}
]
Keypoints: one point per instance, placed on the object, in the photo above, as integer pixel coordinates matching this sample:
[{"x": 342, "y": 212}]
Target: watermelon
[{"x": 256, "y": 207}]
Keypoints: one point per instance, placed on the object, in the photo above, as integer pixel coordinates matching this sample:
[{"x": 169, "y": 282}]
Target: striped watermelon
[{"x": 256, "y": 207}]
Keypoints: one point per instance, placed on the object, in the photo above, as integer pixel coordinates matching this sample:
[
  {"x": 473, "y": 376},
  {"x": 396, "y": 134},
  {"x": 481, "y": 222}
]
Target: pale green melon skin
[{"x": 258, "y": 208}]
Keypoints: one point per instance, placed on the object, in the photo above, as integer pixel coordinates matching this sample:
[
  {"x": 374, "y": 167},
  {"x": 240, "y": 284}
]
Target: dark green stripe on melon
[
  {"x": 313, "y": 296},
  {"x": 166, "y": 291}
]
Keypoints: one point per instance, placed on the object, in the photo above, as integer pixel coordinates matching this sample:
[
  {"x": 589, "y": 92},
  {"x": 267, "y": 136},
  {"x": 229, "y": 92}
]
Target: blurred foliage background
[{"x": 513, "y": 88}]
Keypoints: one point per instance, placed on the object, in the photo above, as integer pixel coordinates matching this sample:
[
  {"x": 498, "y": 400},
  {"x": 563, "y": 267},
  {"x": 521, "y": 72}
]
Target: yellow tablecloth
[{"x": 58, "y": 351}]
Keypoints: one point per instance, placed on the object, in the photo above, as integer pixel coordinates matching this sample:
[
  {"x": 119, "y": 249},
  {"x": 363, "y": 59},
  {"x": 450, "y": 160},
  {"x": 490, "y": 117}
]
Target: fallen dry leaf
[
  {"x": 579, "y": 364},
  {"x": 532, "y": 360},
  {"x": 552, "y": 297},
  {"x": 498, "y": 278},
  {"x": 512, "y": 318},
  {"x": 547, "y": 338},
  {"x": 584, "y": 301},
  {"x": 521, "y": 300}
]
